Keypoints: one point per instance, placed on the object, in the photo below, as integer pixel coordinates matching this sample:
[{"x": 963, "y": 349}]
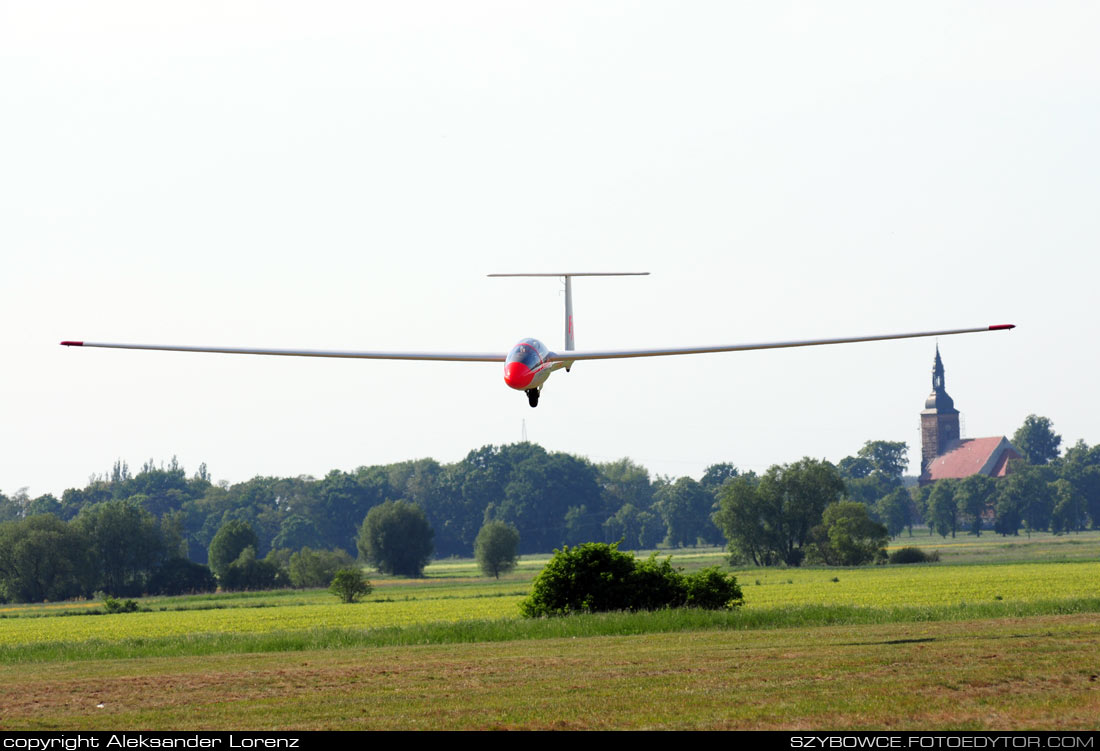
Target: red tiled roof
[{"x": 970, "y": 456}]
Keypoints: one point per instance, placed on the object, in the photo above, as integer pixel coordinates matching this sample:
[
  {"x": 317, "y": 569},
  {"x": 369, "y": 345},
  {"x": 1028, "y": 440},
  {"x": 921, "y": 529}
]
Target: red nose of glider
[{"x": 517, "y": 375}]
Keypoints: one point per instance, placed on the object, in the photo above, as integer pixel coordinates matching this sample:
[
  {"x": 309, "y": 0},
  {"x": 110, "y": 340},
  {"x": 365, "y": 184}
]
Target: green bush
[
  {"x": 586, "y": 578},
  {"x": 710, "y": 589},
  {"x": 914, "y": 555},
  {"x": 656, "y": 584},
  {"x": 111, "y": 605},
  {"x": 596, "y": 577},
  {"x": 349, "y": 584}
]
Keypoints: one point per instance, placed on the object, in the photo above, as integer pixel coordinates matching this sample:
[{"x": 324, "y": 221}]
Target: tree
[
  {"x": 943, "y": 509},
  {"x": 1081, "y": 466},
  {"x": 894, "y": 510},
  {"x": 875, "y": 472},
  {"x": 496, "y": 548},
  {"x": 315, "y": 568},
  {"x": 871, "y": 489},
  {"x": 889, "y": 458},
  {"x": 1069, "y": 507},
  {"x": 974, "y": 496},
  {"x": 637, "y": 529},
  {"x": 770, "y": 520},
  {"x": 685, "y": 506},
  {"x": 625, "y": 483},
  {"x": 855, "y": 467},
  {"x": 228, "y": 544},
  {"x": 9, "y": 509},
  {"x": 297, "y": 532},
  {"x": 1036, "y": 440},
  {"x": 1030, "y": 484},
  {"x": 395, "y": 538},
  {"x": 342, "y": 500},
  {"x": 848, "y": 536},
  {"x": 44, "y": 504},
  {"x": 251, "y": 573},
  {"x": 42, "y": 558},
  {"x": 716, "y": 475},
  {"x": 540, "y": 489},
  {"x": 179, "y": 576},
  {"x": 741, "y": 517},
  {"x": 349, "y": 585},
  {"x": 125, "y": 544}
]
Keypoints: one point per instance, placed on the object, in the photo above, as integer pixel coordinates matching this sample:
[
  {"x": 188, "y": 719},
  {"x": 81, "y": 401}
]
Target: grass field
[{"x": 1001, "y": 634}]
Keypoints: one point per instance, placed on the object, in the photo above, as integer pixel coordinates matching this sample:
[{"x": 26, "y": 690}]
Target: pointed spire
[
  {"x": 939, "y": 400},
  {"x": 937, "y": 371}
]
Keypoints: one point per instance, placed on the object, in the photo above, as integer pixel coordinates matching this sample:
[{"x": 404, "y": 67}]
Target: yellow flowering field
[
  {"x": 891, "y": 586},
  {"x": 881, "y": 586},
  {"x": 241, "y": 620}
]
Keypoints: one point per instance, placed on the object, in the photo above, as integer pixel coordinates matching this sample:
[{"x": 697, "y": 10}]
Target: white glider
[{"x": 529, "y": 363}]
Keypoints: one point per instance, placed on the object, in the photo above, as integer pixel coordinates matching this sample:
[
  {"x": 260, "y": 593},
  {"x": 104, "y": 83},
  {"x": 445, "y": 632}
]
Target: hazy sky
[{"x": 343, "y": 175}]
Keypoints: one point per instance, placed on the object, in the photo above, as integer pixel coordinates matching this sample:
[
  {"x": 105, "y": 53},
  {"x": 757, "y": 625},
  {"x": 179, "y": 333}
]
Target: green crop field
[{"x": 1000, "y": 634}]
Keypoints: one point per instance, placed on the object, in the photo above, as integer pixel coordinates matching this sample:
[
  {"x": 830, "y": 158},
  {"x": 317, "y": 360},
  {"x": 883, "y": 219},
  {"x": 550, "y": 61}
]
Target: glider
[{"x": 529, "y": 363}]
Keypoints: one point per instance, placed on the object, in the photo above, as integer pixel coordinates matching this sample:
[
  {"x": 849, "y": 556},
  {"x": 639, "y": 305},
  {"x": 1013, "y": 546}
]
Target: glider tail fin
[
  {"x": 569, "y": 313},
  {"x": 568, "y": 276}
]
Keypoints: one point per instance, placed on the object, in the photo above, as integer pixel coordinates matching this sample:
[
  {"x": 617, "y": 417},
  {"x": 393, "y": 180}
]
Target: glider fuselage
[{"x": 526, "y": 366}]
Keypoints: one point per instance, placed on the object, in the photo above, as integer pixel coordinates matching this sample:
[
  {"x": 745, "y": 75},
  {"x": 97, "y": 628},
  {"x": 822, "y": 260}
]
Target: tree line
[
  {"x": 128, "y": 533},
  {"x": 551, "y": 498}
]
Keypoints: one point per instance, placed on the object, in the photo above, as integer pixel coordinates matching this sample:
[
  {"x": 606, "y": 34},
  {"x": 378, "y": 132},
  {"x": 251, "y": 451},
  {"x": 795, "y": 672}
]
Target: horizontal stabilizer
[{"x": 580, "y": 273}]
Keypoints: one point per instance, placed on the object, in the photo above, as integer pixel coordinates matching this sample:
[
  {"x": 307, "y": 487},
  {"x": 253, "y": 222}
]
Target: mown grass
[{"x": 997, "y": 674}]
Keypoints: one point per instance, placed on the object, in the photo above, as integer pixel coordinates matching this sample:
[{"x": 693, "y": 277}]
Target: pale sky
[{"x": 343, "y": 175}]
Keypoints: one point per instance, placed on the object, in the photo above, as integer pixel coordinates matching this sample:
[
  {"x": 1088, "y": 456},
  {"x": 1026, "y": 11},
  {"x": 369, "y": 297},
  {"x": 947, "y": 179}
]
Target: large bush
[
  {"x": 710, "y": 589},
  {"x": 914, "y": 555},
  {"x": 596, "y": 577}
]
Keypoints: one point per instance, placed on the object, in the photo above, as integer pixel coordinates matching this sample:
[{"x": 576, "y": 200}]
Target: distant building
[{"x": 943, "y": 453}]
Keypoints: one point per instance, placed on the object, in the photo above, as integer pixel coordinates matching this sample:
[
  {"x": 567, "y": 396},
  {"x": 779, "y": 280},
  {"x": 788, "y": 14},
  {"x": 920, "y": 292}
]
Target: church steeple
[
  {"x": 938, "y": 400},
  {"x": 937, "y": 371},
  {"x": 939, "y": 420}
]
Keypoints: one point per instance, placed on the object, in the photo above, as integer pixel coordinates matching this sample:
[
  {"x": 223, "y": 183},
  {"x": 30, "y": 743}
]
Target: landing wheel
[{"x": 533, "y": 397}]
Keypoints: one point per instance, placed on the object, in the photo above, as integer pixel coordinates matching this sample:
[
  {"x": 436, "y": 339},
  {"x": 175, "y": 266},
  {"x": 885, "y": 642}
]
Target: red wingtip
[
  {"x": 1000, "y": 326},
  {"x": 72, "y": 344}
]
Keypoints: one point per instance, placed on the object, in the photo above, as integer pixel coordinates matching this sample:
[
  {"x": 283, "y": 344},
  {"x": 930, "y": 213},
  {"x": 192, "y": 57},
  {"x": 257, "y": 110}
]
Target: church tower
[{"x": 939, "y": 420}]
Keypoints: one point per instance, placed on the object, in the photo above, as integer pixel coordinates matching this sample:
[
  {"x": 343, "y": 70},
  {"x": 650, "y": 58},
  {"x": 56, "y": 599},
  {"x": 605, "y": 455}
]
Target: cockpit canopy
[{"x": 530, "y": 352}]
